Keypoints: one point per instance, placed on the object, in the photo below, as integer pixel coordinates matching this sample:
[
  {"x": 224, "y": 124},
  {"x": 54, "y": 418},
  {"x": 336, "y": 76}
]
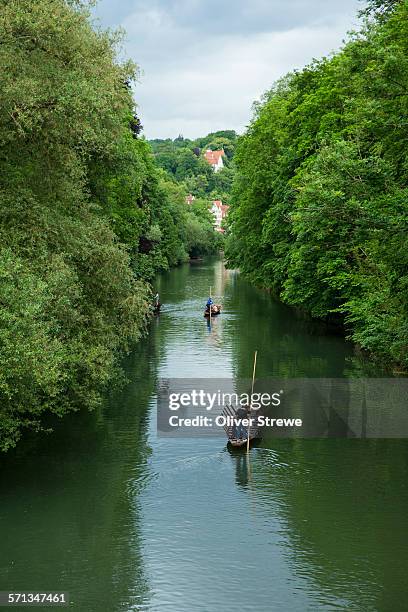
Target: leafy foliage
[
  {"x": 70, "y": 302},
  {"x": 87, "y": 217},
  {"x": 319, "y": 211},
  {"x": 183, "y": 160}
]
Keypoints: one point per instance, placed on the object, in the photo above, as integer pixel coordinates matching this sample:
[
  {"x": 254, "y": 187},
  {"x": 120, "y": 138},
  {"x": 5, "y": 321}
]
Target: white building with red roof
[
  {"x": 214, "y": 158},
  {"x": 219, "y": 211}
]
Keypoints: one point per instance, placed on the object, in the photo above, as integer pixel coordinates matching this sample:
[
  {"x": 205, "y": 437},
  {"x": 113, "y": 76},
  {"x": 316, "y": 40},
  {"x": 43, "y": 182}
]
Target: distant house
[
  {"x": 219, "y": 211},
  {"x": 190, "y": 198},
  {"x": 214, "y": 158}
]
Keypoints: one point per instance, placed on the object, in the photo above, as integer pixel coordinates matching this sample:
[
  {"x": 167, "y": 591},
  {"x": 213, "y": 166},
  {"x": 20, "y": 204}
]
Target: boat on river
[
  {"x": 255, "y": 433},
  {"x": 215, "y": 310}
]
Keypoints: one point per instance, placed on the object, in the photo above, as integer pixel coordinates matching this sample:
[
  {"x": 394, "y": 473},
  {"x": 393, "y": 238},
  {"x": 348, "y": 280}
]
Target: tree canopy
[
  {"x": 87, "y": 216},
  {"x": 184, "y": 160},
  {"x": 319, "y": 211}
]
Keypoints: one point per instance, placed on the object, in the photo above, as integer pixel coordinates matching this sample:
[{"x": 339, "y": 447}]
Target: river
[{"x": 125, "y": 520}]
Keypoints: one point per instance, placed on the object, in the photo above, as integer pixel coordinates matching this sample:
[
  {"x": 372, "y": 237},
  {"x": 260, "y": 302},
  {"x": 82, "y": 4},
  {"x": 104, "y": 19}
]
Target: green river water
[{"x": 125, "y": 520}]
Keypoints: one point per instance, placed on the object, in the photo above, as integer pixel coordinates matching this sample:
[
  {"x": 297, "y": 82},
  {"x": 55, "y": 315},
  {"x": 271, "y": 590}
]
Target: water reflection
[
  {"x": 306, "y": 517},
  {"x": 70, "y": 515},
  {"x": 125, "y": 520},
  {"x": 344, "y": 505}
]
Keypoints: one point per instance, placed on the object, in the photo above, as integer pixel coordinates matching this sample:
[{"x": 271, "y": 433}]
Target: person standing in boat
[
  {"x": 240, "y": 432},
  {"x": 156, "y": 303}
]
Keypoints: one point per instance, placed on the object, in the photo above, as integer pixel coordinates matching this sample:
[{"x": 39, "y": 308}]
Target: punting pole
[
  {"x": 252, "y": 392},
  {"x": 210, "y": 307}
]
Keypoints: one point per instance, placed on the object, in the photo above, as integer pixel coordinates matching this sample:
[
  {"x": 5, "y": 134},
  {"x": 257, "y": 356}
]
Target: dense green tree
[
  {"x": 223, "y": 139},
  {"x": 319, "y": 200},
  {"x": 183, "y": 159},
  {"x": 223, "y": 181},
  {"x": 380, "y": 8},
  {"x": 87, "y": 217},
  {"x": 70, "y": 302},
  {"x": 201, "y": 237}
]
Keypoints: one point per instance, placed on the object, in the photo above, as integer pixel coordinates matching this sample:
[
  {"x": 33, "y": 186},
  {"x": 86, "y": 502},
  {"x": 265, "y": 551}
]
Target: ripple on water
[{"x": 278, "y": 531}]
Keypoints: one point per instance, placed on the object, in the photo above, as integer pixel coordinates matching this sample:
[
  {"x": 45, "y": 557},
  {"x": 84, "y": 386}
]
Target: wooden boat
[
  {"x": 215, "y": 310},
  {"x": 243, "y": 443},
  {"x": 156, "y": 308},
  {"x": 255, "y": 433}
]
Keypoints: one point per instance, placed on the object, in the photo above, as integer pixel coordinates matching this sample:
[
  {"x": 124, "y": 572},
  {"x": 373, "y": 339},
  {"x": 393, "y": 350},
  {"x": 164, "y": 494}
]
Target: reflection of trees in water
[
  {"x": 221, "y": 278},
  {"x": 288, "y": 344},
  {"x": 344, "y": 503},
  {"x": 194, "y": 281},
  {"x": 70, "y": 520},
  {"x": 175, "y": 286}
]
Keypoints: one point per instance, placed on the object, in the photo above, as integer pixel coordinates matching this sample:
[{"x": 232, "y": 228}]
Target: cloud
[{"x": 204, "y": 63}]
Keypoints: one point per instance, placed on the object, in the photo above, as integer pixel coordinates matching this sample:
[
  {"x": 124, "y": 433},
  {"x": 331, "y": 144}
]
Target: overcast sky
[{"x": 204, "y": 62}]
